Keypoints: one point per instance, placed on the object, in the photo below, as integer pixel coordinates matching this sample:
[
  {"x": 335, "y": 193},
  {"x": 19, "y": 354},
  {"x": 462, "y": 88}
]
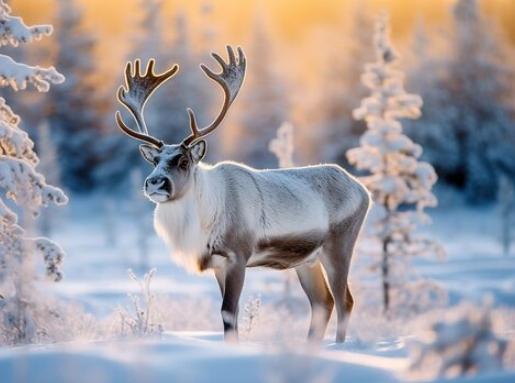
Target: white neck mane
[{"x": 190, "y": 223}]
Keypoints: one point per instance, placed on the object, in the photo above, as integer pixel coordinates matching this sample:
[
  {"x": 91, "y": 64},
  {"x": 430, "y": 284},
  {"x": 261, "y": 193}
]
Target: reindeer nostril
[
  {"x": 154, "y": 181},
  {"x": 165, "y": 185},
  {"x": 158, "y": 183}
]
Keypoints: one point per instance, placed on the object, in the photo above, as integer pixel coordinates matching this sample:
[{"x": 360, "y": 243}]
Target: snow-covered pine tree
[
  {"x": 397, "y": 179},
  {"x": 262, "y": 107},
  {"x": 478, "y": 80},
  {"x": 77, "y": 107},
  {"x": 21, "y": 183}
]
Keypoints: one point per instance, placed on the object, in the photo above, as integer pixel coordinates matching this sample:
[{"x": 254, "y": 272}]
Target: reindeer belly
[{"x": 284, "y": 252}]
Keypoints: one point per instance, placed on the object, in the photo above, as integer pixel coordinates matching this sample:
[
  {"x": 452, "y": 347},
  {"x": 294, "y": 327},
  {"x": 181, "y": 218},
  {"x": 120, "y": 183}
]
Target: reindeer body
[
  {"x": 228, "y": 213},
  {"x": 228, "y": 217}
]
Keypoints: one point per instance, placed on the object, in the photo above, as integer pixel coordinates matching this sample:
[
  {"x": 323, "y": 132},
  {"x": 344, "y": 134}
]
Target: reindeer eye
[{"x": 184, "y": 163}]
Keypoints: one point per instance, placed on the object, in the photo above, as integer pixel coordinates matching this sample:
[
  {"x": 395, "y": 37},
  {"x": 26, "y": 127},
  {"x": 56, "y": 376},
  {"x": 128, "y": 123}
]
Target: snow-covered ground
[{"x": 191, "y": 348}]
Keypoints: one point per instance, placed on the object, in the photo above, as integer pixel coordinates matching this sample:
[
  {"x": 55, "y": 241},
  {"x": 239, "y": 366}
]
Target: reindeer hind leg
[
  {"x": 336, "y": 260},
  {"x": 314, "y": 284}
]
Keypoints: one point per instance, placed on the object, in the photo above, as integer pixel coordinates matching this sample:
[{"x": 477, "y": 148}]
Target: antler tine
[
  {"x": 230, "y": 79},
  {"x": 134, "y": 96},
  {"x": 139, "y": 136}
]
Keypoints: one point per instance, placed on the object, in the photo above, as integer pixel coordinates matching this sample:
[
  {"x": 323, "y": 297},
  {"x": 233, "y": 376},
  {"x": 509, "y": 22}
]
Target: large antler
[
  {"x": 138, "y": 88},
  {"x": 231, "y": 79}
]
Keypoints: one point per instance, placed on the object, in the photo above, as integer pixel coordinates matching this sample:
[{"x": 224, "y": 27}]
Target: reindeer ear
[
  {"x": 198, "y": 151},
  {"x": 148, "y": 152}
]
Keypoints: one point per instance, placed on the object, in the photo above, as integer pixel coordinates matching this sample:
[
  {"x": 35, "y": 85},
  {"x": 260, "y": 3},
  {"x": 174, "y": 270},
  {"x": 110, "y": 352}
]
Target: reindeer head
[{"x": 174, "y": 164}]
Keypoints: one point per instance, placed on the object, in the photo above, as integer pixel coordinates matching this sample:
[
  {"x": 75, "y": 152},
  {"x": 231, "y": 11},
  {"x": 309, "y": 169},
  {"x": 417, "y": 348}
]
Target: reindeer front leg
[{"x": 231, "y": 280}]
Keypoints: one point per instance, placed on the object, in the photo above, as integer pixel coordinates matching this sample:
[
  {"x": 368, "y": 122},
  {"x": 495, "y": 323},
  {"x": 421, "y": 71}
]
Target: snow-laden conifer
[
  {"x": 400, "y": 184},
  {"x": 21, "y": 183}
]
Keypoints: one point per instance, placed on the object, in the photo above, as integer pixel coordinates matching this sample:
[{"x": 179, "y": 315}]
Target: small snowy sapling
[{"x": 397, "y": 179}]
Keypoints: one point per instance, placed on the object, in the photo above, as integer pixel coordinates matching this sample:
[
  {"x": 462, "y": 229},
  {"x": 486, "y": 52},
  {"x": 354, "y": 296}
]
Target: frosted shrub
[
  {"x": 400, "y": 184},
  {"x": 462, "y": 344},
  {"x": 20, "y": 304},
  {"x": 251, "y": 314},
  {"x": 138, "y": 318}
]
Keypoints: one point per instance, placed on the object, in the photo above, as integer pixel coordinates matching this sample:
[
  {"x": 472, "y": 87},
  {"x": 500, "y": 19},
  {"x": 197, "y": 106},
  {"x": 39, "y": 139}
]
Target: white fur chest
[
  {"x": 187, "y": 226},
  {"x": 179, "y": 226}
]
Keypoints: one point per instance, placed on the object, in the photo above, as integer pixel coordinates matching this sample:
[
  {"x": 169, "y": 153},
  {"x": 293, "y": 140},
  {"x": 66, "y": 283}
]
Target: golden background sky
[
  {"x": 292, "y": 19},
  {"x": 293, "y": 22}
]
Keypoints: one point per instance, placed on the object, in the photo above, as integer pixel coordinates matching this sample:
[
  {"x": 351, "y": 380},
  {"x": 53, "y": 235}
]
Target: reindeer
[{"x": 229, "y": 216}]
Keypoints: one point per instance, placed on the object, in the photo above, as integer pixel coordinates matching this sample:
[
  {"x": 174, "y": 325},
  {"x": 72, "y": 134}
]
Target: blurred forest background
[{"x": 305, "y": 60}]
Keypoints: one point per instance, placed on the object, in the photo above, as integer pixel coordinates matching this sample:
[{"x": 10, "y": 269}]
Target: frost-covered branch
[
  {"x": 17, "y": 75},
  {"x": 25, "y": 186},
  {"x": 14, "y": 31},
  {"x": 14, "y": 142},
  {"x": 7, "y": 216},
  {"x": 52, "y": 254}
]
